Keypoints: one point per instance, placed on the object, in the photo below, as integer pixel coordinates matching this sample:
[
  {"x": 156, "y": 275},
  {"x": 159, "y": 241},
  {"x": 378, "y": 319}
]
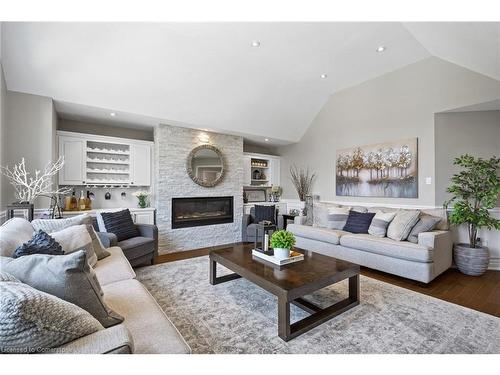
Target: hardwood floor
[{"x": 478, "y": 293}]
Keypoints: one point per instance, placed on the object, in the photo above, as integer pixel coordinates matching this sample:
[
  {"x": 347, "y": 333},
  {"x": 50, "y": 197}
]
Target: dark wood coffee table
[{"x": 290, "y": 283}]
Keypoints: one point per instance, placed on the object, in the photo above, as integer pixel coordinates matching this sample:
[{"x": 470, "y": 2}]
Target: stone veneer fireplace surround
[{"x": 172, "y": 147}]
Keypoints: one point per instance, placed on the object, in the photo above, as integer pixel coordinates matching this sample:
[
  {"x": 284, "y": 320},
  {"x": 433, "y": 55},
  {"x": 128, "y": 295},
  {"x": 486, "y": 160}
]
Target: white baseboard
[{"x": 494, "y": 264}]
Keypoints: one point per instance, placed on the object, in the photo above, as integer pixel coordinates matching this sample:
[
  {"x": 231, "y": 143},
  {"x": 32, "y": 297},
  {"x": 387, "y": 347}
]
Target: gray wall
[
  {"x": 258, "y": 149},
  {"x": 398, "y": 105},
  {"x": 99, "y": 129},
  {"x": 3, "y": 96},
  {"x": 29, "y": 132},
  {"x": 457, "y": 133}
]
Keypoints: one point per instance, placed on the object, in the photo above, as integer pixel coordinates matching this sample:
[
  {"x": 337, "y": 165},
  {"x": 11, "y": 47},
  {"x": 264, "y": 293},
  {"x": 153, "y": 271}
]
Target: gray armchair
[
  {"x": 249, "y": 225},
  {"x": 139, "y": 250}
]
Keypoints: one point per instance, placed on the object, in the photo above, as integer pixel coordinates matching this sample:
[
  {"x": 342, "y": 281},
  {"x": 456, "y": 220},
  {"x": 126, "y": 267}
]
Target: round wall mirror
[{"x": 205, "y": 165}]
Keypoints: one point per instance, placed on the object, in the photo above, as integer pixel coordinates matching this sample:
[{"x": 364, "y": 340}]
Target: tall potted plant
[
  {"x": 302, "y": 180},
  {"x": 474, "y": 191}
]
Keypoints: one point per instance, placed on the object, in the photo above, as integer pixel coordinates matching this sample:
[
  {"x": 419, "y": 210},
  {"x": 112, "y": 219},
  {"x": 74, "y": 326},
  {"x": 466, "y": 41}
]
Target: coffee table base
[{"x": 287, "y": 331}]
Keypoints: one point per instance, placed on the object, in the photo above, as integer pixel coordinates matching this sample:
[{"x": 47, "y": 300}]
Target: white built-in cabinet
[
  {"x": 100, "y": 160},
  {"x": 261, "y": 170}
]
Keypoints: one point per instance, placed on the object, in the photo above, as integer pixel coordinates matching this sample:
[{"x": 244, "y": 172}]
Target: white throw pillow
[
  {"x": 54, "y": 225},
  {"x": 13, "y": 233},
  {"x": 380, "y": 222},
  {"x": 76, "y": 238}
]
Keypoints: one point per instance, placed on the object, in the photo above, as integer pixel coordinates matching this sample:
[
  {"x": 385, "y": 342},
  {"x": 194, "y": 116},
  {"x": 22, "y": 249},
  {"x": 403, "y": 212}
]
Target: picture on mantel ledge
[{"x": 380, "y": 170}]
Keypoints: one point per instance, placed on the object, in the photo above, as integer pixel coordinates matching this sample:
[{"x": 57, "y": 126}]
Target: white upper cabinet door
[
  {"x": 73, "y": 151},
  {"x": 247, "y": 170},
  {"x": 274, "y": 171},
  {"x": 141, "y": 165}
]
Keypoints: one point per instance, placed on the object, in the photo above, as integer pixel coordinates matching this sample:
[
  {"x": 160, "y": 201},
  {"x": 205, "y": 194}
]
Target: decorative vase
[
  {"x": 142, "y": 202},
  {"x": 280, "y": 253},
  {"x": 471, "y": 261}
]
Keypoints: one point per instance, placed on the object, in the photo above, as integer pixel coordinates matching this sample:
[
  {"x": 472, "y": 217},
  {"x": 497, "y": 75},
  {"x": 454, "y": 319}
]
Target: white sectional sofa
[
  {"x": 146, "y": 329},
  {"x": 422, "y": 261}
]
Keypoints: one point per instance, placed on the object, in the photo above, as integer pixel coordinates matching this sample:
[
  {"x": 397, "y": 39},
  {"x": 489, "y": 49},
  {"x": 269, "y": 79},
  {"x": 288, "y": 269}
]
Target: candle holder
[{"x": 263, "y": 231}]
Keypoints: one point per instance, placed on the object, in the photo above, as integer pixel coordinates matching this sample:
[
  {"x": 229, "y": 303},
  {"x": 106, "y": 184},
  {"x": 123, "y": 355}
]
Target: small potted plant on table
[
  {"x": 282, "y": 242},
  {"x": 142, "y": 196},
  {"x": 475, "y": 190}
]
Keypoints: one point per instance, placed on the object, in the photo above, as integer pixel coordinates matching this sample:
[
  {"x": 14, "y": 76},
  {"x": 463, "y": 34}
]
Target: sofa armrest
[
  {"x": 107, "y": 239},
  {"x": 116, "y": 339},
  {"x": 300, "y": 220},
  {"x": 148, "y": 230},
  {"x": 442, "y": 244}
]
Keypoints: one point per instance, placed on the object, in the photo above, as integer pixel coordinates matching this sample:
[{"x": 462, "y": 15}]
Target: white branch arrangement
[{"x": 29, "y": 186}]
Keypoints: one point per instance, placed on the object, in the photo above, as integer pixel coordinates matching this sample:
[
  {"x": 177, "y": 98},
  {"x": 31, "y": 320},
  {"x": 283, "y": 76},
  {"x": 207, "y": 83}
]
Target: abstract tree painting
[{"x": 380, "y": 170}]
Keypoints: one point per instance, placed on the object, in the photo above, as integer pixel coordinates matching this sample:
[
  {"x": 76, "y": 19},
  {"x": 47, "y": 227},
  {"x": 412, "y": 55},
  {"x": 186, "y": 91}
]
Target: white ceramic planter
[{"x": 281, "y": 253}]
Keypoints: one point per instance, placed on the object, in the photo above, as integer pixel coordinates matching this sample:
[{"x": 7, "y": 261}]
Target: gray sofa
[
  {"x": 146, "y": 328},
  {"x": 423, "y": 261}
]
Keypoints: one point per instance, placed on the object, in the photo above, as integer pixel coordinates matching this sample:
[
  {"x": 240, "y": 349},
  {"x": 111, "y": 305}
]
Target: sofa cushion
[
  {"x": 321, "y": 211},
  {"x": 267, "y": 213},
  {"x": 358, "y": 222},
  {"x": 13, "y": 233},
  {"x": 439, "y": 212},
  {"x": 54, "y": 225},
  {"x": 32, "y": 320},
  {"x": 65, "y": 276},
  {"x": 386, "y": 246},
  {"x": 401, "y": 225},
  {"x": 41, "y": 243},
  {"x": 120, "y": 223},
  {"x": 114, "y": 268},
  {"x": 137, "y": 247},
  {"x": 320, "y": 234},
  {"x": 76, "y": 237},
  {"x": 150, "y": 328}
]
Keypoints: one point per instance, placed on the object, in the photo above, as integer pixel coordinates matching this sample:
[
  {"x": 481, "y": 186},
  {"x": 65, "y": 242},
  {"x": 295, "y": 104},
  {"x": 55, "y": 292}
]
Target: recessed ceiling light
[
  {"x": 255, "y": 43},
  {"x": 112, "y": 114},
  {"x": 381, "y": 49},
  {"x": 267, "y": 139},
  {"x": 323, "y": 76}
]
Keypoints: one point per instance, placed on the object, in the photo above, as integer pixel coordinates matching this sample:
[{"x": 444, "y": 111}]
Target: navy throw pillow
[
  {"x": 265, "y": 213},
  {"x": 121, "y": 224},
  {"x": 41, "y": 243},
  {"x": 358, "y": 222}
]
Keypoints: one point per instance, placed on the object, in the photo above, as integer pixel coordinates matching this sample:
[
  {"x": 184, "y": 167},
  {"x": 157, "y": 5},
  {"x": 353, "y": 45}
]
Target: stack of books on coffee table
[{"x": 295, "y": 256}]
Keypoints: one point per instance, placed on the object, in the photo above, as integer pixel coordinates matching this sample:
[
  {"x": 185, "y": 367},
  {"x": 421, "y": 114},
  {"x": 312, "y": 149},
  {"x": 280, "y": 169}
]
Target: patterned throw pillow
[
  {"x": 401, "y": 225},
  {"x": 33, "y": 321},
  {"x": 337, "y": 217},
  {"x": 426, "y": 223},
  {"x": 54, "y": 225},
  {"x": 358, "y": 222},
  {"x": 121, "y": 224},
  {"x": 68, "y": 277},
  {"x": 41, "y": 243},
  {"x": 265, "y": 213},
  {"x": 380, "y": 222}
]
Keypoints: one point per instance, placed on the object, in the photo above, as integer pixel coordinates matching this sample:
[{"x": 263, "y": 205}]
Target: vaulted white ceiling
[{"x": 208, "y": 75}]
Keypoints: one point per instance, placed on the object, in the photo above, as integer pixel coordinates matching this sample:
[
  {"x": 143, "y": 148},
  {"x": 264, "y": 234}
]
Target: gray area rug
[{"x": 240, "y": 317}]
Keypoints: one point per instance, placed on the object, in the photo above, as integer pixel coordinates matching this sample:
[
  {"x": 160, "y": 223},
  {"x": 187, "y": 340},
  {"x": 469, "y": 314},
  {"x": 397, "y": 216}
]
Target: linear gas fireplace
[{"x": 194, "y": 212}]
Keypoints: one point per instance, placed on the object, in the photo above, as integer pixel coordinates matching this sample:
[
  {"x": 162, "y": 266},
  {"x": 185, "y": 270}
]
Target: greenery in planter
[
  {"x": 282, "y": 239},
  {"x": 475, "y": 190}
]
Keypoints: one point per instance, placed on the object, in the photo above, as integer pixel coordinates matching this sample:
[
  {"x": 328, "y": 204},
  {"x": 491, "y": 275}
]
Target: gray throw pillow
[
  {"x": 33, "y": 321},
  {"x": 380, "y": 222},
  {"x": 426, "y": 223},
  {"x": 337, "y": 217},
  {"x": 65, "y": 276},
  {"x": 54, "y": 225},
  {"x": 97, "y": 246},
  {"x": 401, "y": 225}
]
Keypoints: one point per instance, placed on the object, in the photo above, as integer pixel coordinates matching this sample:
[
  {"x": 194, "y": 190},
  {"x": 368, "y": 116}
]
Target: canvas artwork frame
[{"x": 388, "y": 169}]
